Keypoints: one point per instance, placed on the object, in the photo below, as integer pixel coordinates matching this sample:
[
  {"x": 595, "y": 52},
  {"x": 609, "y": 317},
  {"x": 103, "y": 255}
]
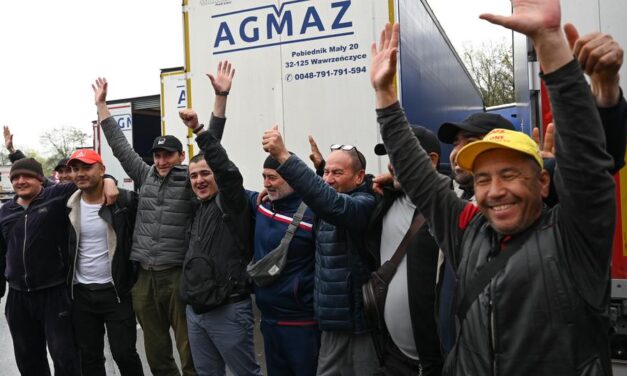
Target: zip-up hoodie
[
  {"x": 120, "y": 219},
  {"x": 34, "y": 239},
  {"x": 290, "y": 297}
]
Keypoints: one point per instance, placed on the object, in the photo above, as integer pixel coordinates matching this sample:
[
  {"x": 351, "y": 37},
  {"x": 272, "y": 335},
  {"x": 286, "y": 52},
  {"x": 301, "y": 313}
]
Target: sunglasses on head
[{"x": 347, "y": 147}]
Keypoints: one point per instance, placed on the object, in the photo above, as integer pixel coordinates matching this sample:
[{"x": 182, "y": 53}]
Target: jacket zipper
[
  {"x": 24, "y": 252},
  {"x": 117, "y": 296},
  {"x": 115, "y": 289},
  {"x": 75, "y": 260},
  {"x": 492, "y": 337}
]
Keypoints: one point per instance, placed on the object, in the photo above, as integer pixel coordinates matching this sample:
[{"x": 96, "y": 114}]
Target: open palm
[{"x": 384, "y": 57}]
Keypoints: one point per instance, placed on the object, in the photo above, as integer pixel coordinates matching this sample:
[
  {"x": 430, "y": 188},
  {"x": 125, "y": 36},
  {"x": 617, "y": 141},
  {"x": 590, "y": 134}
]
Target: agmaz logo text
[{"x": 292, "y": 22}]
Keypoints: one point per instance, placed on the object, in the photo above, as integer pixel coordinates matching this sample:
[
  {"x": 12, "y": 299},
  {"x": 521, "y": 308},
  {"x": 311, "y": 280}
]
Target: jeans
[
  {"x": 92, "y": 311},
  {"x": 222, "y": 336},
  {"x": 38, "y": 318},
  {"x": 158, "y": 307}
]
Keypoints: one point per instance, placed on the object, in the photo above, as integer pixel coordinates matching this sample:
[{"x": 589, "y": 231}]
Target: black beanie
[
  {"x": 27, "y": 166},
  {"x": 271, "y": 163}
]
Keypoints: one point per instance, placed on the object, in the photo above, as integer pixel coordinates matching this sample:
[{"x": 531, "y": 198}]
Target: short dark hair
[
  {"x": 197, "y": 158},
  {"x": 359, "y": 160}
]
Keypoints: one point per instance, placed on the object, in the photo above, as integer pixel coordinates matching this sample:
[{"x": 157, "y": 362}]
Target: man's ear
[
  {"x": 435, "y": 158},
  {"x": 361, "y": 175}
]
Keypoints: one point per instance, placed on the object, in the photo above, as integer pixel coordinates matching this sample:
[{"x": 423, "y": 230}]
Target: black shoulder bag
[{"x": 374, "y": 292}]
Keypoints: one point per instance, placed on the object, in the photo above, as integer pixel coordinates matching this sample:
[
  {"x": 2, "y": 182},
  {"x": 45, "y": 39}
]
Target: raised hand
[
  {"x": 189, "y": 117},
  {"x": 540, "y": 21},
  {"x": 100, "y": 87},
  {"x": 223, "y": 78},
  {"x": 315, "y": 156},
  {"x": 530, "y": 17},
  {"x": 272, "y": 143},
  {"x": 547, "y": 149},
  {"x": 601, "y": 57},
  {"x": 8, "y": 139},
  {"x": 384, "y": 58}
]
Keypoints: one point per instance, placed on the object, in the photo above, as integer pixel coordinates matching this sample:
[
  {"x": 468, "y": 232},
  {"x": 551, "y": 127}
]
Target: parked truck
[
  {"x": 140, "y": 121},
  {"x": 303, "y": 64}
]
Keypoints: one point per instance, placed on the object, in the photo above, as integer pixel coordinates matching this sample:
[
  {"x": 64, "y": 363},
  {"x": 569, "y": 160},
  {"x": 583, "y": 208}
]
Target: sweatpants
[{"x": 41, "y": 318}]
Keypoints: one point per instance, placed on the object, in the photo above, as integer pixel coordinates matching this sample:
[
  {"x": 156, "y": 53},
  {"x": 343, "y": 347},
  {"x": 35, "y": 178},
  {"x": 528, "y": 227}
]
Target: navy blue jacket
[
  {"x": 34, "y": 240},
  {"x": 290, "y": 297},
  {"x": 343, "y": 263}
]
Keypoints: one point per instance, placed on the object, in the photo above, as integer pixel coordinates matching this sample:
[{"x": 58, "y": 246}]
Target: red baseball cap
[{"x": 87, "y": 156}]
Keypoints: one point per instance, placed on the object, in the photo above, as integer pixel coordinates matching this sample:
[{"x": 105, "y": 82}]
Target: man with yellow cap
[{"x": 533, "y": 283}]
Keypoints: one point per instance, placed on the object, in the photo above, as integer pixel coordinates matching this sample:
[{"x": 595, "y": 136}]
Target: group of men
[{"x": 497, "y": 275}]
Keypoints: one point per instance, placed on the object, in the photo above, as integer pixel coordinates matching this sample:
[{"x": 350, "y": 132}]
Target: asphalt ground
[{"x": 9, "y": 368}]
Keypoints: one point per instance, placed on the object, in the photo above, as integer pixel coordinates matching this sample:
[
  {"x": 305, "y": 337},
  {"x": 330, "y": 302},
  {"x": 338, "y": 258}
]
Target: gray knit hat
[{"x": 27, "y": 166}]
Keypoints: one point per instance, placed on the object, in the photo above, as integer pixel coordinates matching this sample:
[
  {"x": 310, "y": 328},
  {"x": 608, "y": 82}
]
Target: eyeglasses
[{"x": 347, "y": 147}]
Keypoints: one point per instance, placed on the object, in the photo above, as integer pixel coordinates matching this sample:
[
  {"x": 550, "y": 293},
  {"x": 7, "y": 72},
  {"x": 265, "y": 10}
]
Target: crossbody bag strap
[
  {"x": 296, "y": 219},
  {"x": 416, "y": 224},
  {"x": 488, "y": 272}
]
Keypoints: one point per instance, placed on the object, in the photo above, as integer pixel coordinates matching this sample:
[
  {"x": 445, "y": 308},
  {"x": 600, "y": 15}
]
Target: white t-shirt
[
  {"x": 93, "y": 264},
  {"x": 396, "y": 314}
]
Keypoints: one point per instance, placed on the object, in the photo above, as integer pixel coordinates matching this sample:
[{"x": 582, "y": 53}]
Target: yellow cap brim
[{"x": 467, "y": 155}]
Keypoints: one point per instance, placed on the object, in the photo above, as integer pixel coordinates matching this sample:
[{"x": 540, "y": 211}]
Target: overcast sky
[{"x": 51, "y": 51}]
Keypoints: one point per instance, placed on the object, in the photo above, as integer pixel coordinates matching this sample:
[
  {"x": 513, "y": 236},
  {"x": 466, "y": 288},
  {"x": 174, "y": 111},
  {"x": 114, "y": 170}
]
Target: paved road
[{"x": 7, "y": 360}]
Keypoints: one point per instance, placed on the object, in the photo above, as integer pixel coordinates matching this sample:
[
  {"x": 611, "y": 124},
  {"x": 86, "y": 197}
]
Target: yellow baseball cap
[{"x": 499, "y": 139}]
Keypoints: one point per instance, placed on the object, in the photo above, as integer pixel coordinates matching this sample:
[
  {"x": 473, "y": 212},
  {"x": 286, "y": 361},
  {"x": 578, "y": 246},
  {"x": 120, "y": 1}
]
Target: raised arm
[
  {"x": 228, "y": 178},
  {"x": 350, "y": 211},
  {"x": 430, "y": 191},
  {"x": 221, "y": 83},
  {"x": 14, "y": 154},
  {"x": 601, "y": 58},
  {"x": 582, "y": 180},
  {"x": 131, "y": 162},
  {"x": 316, "y": 157}
]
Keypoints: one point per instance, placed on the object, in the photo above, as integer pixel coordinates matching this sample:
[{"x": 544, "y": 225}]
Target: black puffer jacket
[{"x": 120, "y": 218}]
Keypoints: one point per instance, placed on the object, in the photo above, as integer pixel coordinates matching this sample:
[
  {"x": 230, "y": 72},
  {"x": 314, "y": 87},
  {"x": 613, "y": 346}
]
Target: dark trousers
[
  {"x": 94, "y": 308},
  {"x": 290, "y": 350},
  {"x": 395, "y": 363},
  {"x": 39, "y": 318}
]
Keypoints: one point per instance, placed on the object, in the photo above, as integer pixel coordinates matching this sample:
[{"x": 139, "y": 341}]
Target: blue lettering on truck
[
  {"x": 182, "y": 101},
  {"x": 125, "y": 121},
  {"x": 263, "y": 26}
]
